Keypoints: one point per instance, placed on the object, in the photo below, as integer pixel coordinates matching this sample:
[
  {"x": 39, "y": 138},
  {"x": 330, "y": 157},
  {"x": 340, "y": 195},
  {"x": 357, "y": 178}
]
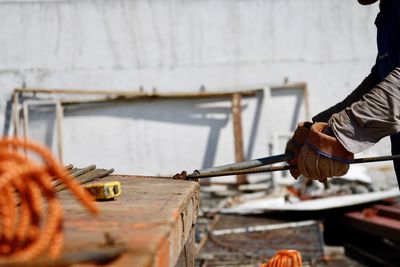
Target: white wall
[{"x": 179, "y": 45}]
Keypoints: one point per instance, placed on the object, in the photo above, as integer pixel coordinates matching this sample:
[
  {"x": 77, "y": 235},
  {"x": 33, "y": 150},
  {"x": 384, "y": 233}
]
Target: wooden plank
[
  {"x": 153, "y": 219},
  {"x": 186, "y": 259},
  {"x": 238, "y": 134},
  {"x": 141, "y": 94}
]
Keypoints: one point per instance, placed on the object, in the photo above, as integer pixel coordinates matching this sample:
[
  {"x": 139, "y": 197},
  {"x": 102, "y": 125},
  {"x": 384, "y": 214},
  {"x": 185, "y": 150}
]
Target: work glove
[
  {"x": 322, "y": 155},
  {"x": 295, "y": 144}
]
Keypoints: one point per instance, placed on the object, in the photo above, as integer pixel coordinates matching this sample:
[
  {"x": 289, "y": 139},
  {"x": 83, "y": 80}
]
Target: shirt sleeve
[
  {"x": 366, "y": 85},
  {"x": 374, "y": 116}
]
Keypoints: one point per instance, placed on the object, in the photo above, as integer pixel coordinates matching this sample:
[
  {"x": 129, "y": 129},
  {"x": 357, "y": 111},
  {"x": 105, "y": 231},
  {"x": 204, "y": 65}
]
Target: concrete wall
[{"x": 179, "y": 45}]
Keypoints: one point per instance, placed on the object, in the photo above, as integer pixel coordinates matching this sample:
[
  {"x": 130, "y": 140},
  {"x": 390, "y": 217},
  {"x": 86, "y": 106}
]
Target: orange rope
[
  {"x": 285, "y": 258},
  {"x": 27, "y": 229}
]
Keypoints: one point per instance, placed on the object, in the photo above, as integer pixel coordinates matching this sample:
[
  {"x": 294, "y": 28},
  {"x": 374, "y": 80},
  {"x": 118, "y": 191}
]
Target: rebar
[
  {"x": 226, "y": 169},
  {"x": 246, "y": 164}
]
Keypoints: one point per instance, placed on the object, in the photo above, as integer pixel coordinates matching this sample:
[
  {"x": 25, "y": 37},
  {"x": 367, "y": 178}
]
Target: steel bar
[
  {"x": 234, "y": 169},
  {"x": 85, "y": 175},
  {"x": 376, "y": 159},
  {"x": 95, "y": 174},
  {"x": 236, "y": 172},
  {"x": 74, "y": 172},
  {"x": 246, "y": 164},
  {"x": 79, "y": 172}
]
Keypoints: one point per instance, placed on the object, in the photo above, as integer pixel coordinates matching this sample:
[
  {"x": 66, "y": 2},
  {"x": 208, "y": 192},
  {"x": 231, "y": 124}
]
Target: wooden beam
[{"x": 238, "y": 135}]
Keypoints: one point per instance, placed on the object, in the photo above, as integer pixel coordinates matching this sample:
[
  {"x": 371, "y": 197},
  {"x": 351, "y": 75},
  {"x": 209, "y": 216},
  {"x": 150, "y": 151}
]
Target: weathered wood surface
[{"x": 153, "y": 218}]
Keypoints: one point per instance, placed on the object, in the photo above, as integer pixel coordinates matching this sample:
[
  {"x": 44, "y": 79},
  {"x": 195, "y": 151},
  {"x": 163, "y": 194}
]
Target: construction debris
[
  {"x": 232, "y": 240},
  {"x": 250, "y": 241}
]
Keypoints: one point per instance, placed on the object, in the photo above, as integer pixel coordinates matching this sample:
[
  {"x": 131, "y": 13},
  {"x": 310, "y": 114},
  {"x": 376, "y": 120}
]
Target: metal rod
[
  {"x": 197, "y": 175},
  {"x": 75, "y": 173},
  {"x": 236, "y": 172},
  {"x": 88, "y": 177},
  {"x": 79, "y": 172},
  {"x": 246, "y": 164},
  {"x": 376, "y": 159}
]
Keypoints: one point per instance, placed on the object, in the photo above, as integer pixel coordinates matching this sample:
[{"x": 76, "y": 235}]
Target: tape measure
[{"x": 104, "y": 191}]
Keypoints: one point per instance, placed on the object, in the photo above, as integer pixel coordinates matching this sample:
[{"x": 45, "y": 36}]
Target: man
[{"x": 325, "y": 147}]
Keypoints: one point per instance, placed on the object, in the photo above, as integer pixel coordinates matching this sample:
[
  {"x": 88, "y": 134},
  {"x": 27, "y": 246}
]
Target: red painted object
[{"x": 378, "y": 220}]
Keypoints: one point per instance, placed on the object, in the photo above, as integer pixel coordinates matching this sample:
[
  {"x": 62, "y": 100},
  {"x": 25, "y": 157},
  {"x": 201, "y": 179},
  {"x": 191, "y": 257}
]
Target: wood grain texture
[{"x": 153, "y": 218}]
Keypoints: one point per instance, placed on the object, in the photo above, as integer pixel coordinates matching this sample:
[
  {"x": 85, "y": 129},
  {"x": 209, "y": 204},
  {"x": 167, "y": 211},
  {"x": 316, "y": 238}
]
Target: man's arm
[
  {"x": 374, "y": 116},
  {"x": 366, "y": 85},
  {"x": 328, "y": 149}
]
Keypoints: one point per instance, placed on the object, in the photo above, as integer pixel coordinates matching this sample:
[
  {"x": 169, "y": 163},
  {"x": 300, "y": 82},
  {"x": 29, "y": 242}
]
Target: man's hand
[
  {"x": 322, "y": 155},
  {"x": 296, "y": 143}
]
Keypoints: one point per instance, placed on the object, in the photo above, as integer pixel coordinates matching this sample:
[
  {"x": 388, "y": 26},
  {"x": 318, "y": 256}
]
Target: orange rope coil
[
  {"x": 27, "y": 229},
  {"x": 285, "y": 258}
]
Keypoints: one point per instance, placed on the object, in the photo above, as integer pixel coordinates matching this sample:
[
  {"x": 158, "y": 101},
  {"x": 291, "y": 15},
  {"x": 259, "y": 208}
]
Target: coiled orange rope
[
  {"x": 27, "y": 229},
  {"x": 285, "y": 258}
]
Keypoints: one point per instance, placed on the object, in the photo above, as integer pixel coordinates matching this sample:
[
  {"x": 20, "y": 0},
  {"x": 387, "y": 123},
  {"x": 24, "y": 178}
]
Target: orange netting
[
  {"x": 28, "y": 226},
  {"x": 285, "y": 258}
]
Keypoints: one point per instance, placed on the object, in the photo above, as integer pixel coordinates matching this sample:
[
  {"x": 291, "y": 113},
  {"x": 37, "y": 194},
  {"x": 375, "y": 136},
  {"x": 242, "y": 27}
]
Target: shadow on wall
[
  {"x": 134, "y": 116},
  {"x": 289, "y": 103}
]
